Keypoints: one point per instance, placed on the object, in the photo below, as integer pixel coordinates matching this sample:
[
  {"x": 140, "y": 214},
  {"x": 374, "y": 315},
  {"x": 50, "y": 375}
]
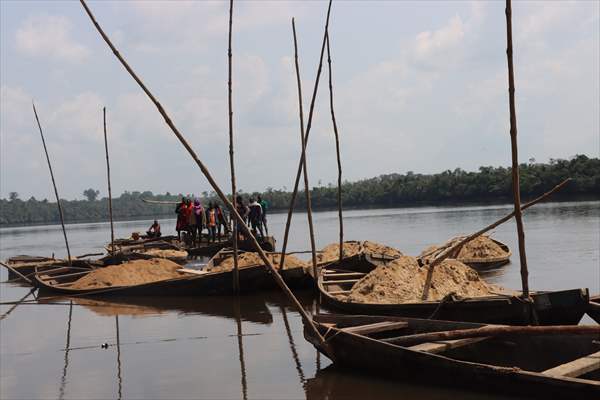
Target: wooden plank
[
  {"x": 71, "y": 274},
  {"x": 577, "y": 367},
  {"x": 340, "y": 281},
  {"x": 336, "y": 292},
  {"x": 441, "y": 346},
  {"x": 376, "y": 327},
  {"x": 344, "y": 275},
  {"x": 192, "y": 271}
]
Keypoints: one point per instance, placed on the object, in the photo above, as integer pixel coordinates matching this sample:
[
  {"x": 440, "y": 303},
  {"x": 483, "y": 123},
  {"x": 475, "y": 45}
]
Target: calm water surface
[{"x": 251, "y": 347}]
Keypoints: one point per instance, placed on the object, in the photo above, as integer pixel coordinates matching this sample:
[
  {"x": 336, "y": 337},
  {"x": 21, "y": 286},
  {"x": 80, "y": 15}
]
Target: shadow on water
[{"x": 334, "y": 383}]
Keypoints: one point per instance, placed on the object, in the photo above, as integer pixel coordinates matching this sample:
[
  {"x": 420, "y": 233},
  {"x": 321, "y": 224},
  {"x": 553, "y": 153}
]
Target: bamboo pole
[
  {"x": 16, "y": 272},
  {"x": 514, "y": 151},
  {"x": 306, "y": 318},
  {"x": 337, "y": 150},
  {"x": 304, "y": 166},
  {"x": 308, "y": 126},
  {"x": 236, "y": 271},
  {"x": 486, "y": 331},
  {"x": 450, "y": 250},
  {"x": 110, "y": 214},
  {"x": 60, "y": 211}
]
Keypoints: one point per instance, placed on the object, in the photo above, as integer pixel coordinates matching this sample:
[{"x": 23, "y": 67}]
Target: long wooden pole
[
  {"x": 16, "y": 272},
  {"x": 306, "y": 318},
  {"x": 494, "y": 331},
  {"x": 450, "y": 250},
  {"x": 514, "y": 151},
  {"x": 304, "y": 166},
  {"x": 60, "y": 211},
  {"x": 337, "y": 150},
  {"x": 110, "y": 213},
  {"x": 236, "y": 271},
  {"x": 308, "y": 126}
]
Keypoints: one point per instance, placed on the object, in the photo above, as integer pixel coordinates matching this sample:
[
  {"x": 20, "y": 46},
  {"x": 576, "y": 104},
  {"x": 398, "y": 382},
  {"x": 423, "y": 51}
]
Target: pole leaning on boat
[
  {"x": 110, "y": 215},
  {"x": 306, "y": 318},
  {"x": 514, "y": 151},
  {"x": 60, "y": 211}
]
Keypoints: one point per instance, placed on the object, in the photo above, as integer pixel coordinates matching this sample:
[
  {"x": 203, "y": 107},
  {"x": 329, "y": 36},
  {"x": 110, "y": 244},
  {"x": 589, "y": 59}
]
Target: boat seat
[
  {"x": 377, "y": 327},
  {"x": 335, "y": 282},
  {"x": 577, "y": 367},
  {"x": 443, "y": 345}
]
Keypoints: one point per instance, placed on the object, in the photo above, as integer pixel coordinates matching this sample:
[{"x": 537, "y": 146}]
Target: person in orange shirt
[{"x": 211, "y": 222}]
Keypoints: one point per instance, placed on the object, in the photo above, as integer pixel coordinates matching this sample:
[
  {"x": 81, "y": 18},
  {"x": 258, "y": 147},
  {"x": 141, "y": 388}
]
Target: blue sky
[{"x": 419, "y": 86}]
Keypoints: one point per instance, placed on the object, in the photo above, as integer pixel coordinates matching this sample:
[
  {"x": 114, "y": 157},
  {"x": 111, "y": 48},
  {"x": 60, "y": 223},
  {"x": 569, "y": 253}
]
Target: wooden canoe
[
  {"x": 594, "y": 308},
  {"x": 27, "y": 265},
  {"x": 565, "y": 307},
  {"x": 487, "y": 263},
  {"x": 252, "y": 278},
  {"x": 565, "y": 365}
]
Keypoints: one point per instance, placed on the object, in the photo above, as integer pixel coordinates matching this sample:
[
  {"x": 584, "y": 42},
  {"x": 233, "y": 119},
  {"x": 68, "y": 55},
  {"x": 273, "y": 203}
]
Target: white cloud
[
  {"x": 429, "y": 43},
  {"x": 50, "y": 36}
]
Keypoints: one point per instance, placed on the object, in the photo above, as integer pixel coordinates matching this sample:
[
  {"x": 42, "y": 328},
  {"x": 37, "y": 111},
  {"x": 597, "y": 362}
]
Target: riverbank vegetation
[{"x": 488, "y": 184}]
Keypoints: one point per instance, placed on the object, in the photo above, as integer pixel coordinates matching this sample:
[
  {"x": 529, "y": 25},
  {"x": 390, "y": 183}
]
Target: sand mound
[
  {"x": 402, "y": 281},
  {"x": 129, "y": 273},
  {"x": 481, "y": 247},
  {"x": 331, "y": 253},
  {"x": 250, "y": 259},
  {"x": 380, "y": 249}
]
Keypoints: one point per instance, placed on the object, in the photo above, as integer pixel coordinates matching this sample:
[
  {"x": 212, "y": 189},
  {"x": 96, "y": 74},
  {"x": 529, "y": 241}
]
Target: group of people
[
  {"x": 254, "y": 215},
  {"x": 193, "y": 218}
]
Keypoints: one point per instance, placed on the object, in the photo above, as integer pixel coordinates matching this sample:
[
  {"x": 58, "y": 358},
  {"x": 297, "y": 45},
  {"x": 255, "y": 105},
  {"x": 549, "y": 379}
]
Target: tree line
[{"x": 488, "y": 184}]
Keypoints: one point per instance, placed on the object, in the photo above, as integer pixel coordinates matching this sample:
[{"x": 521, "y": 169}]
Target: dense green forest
[{"x": 489, "y": 184}]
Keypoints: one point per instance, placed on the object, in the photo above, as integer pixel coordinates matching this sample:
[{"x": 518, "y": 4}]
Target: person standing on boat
[
  {"x": 255, "y": 217},
  {"x": 211, "y": 222},
  {"x": 221, "y": 221},
  {"x": 264, "y": 206},
  {"x": 243, "y": 210},
  {"x": 192, "y": 223},
  {"x": 181, "y": 217},
  {"x": 200, "y": 220},
  {"x": 154, "y": 230}
]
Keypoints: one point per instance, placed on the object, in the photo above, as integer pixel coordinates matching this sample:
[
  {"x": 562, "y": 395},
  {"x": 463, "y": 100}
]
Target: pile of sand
[
  {"x": 481, "y": 247},
  {"x": 379, "y": 249},
  {"x": 402, "y": 281},
  {"x": 249, "y": 259},
  {"x": 331, "y": 252},
  {"x": 129, "y": 273}
]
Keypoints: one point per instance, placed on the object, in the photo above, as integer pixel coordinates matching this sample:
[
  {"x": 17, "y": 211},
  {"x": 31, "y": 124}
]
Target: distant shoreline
[{"x": 501, "y": 202}]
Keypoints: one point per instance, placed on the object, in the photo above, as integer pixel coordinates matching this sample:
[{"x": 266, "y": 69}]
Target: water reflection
[
  {"x": 251, "y": 309},
  {"x": 292, "y": 345},
  {"x": 334, "y": 383},
  {"x": 238, "y": 320},
  {"x": 63, "y": 379},
  {"x": 119, "y": 376}
]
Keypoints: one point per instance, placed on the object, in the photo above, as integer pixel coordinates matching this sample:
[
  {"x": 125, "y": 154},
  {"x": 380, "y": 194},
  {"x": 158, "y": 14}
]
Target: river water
[{"x": 252, "y": 346}]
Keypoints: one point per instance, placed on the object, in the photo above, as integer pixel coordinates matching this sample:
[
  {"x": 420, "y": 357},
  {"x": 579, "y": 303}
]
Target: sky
[{"x": 418, "y": 86}]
